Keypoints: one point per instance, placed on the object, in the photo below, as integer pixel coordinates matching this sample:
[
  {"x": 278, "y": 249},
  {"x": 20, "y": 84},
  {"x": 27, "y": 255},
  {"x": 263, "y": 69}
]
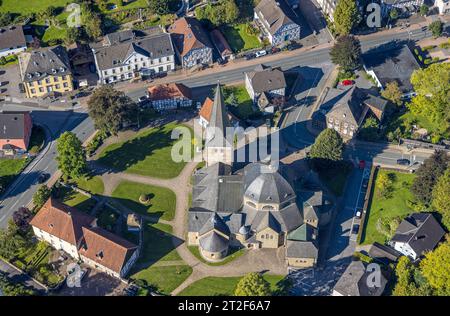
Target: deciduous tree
[
  {"x": 436, "y": 28},
  {"x": 71, "y": 157},
  {"x": 346, "y": 16},
  {"x": 392, "y": 93},
  {"x": 110, "y": 109},
  {"x": 435, "y": 267},
  {"x": 328, "y": 146},
  {"x": 441, "y": 198},
  {"x": 41, "y": 196},
  {"x": 253, "y": 284},
  {"x": 346, "y": 53}
]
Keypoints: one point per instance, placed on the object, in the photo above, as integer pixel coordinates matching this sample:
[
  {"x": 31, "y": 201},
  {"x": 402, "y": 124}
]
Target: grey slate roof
[
  {"x": 264, "y": 79},
  {"x": 121, "y": 45},
  {"x": 304, "y": 232},
  {"x": 276, "y": 13},
  {"x": 269, "y": 188},
  {"x": 396, "y": 64},
  {"x": 349, "y": 107},
  {"x": 41, "y": 63},
  {"x": 213, "y": 242},
  {"x": 421, "y": 231},
  {"x": 353, "y": 282},
  {"x": 12, "y": 37},
  {"x": 216, "y": 132},
  {"x": 301, "y": 249},
  {"x": 215, "y": 222},
  {"x": 12, "y": 125}
]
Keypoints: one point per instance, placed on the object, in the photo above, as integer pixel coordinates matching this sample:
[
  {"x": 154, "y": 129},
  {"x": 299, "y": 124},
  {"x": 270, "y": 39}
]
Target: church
[{"x": 252, "y": 207}]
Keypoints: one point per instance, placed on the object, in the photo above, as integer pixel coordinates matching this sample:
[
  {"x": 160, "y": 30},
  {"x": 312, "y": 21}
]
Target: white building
[
  {"x": 443, "y": 6},
  {"x": 12, "y": 40},
  {"x": 328, "y": 7},
  {"x": 77, "y": 234},
  {"x": 125, "y": 55}
]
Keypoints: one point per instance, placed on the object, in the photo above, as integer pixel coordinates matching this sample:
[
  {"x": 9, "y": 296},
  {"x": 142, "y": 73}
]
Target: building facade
[
  {"x": 276, "y": 21},
  {"x": 129, "y": 54},
  {"x": 443, "y": 6},
  {"x": 170, "y": 96},
  {"x": 15, "y": 131},
  {"x": 46, "y": 71},
  {"x": 191, "y": 42},
  {"x": 328, "y": 7}
]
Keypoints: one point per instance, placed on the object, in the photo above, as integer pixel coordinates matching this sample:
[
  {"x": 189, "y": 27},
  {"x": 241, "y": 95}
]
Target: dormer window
[{"x": 99, "y": 254}]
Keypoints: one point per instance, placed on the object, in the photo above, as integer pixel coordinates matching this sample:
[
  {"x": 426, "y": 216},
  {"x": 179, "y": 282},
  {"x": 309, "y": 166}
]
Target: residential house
[
  {"x": 205, "y": 114},
  {"x": 417, "y": 234},
  {"x": 170, "y": 96},
  {"x": 383, "y": 253},
  {"x": 46, "y": 71},
  {"x": 191, "y": 42},
  {"x": 345, "y": 110},
  {"x": 15, "y": 131},
  {"x": 396, "y": 64},
  {"x": 358, "y": 280},
  {"x": 266, "y": 86},
  {"x": 77, "y": 233},
  {"x": 254, "y": 207},
  {"x": 328, "y": 7},
  {"x": 221, "y": 44},
  {"x": 405, "y": 6},
  {"x": 127, "y": 54},
  {"x": 276, "y": 20},
  {"x": 443, "y": 6},
  {"x": 12, "y": 40}
]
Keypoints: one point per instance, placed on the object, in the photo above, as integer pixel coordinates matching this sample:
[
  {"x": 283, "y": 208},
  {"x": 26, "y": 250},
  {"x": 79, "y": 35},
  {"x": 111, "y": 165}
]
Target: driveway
[{"x": 10, "y": 79}]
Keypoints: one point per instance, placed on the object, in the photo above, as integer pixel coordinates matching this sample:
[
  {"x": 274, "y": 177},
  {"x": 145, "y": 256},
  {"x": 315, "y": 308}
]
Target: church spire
[{"x": 219, "y": 117}]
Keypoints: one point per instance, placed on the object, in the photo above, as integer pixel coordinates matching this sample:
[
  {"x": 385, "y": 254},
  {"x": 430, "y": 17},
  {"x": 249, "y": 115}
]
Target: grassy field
[
  {"x": 75, "y": 199},
  {"x": 22, "y": 7},
  {"x": 244, "y": 108},
  {"x": 239, "y": 39},
  {"x": 235, "y": 253},
  {"x": 215, "y": 286},
  {"x": 93, "y": 185},
  {"x": 9, "y": 169},
  {"x": 148, "y": 153},
  {"x": 396, "y": 205},
  {"x": 158, "y": 244},
  {"x": 166, "y": 279},
  {"x": 162, "y": 201}
]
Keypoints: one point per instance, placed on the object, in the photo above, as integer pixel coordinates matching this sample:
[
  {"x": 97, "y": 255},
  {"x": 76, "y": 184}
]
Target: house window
[
  {"x": 65, "y": 84},
  {"x": 33, "y": 91},
  {"x": 55, "y": 79},
  {"x": 64, "y": 77},
  {"x": 58, "y": 86},
  {"x": 41, "y": 89}
]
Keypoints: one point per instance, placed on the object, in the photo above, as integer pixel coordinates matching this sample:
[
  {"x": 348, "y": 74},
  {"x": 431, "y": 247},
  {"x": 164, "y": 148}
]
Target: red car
[{"x": 347, "y": 82}]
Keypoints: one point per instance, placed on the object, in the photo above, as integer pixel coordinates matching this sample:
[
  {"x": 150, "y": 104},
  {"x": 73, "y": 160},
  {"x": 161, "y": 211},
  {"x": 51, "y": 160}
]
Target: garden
[
  {"x": 241, "y": 37},
  {"x": 9, "y": 169},
  {"x": 148, "y": 153},
  {"x": 238, "y": 101},
  {"x": 390, "y": 201}
]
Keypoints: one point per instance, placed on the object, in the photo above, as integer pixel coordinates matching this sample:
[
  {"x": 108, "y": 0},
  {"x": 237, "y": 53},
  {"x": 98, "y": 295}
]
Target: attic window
[
  {"x": 50, "y": 225},
  {"x": 344, "y": 115},
  {"x": 100, "y": 254}
]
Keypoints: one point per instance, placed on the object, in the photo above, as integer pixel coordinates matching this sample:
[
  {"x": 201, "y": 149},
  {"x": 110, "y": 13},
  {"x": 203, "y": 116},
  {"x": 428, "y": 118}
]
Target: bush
[{"x": 144, "y": 198}]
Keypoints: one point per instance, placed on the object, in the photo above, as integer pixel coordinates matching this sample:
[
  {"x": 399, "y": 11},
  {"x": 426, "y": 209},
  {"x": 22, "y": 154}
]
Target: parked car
[
  {"x": 347, "y": 82},
  {"x": 221, "y": 61},
  {"x": 355, "y": 229},
  {"x": 260, "y": 53},
  {"x": 275, "y": 50},
  {"x": 293, "y": 46},
  {"x": 43, "y": 177},
  {"x": 358, "y": 214},
  {"x": 250, "y": 56},
  {"x": 143, "y": 99},
  {"x": 403, "y": 162},
  {"x": 362, "y": 164}
]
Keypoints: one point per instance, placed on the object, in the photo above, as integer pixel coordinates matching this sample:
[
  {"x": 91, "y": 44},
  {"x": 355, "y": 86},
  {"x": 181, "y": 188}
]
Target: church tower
[{"x": 217, "y": 147}]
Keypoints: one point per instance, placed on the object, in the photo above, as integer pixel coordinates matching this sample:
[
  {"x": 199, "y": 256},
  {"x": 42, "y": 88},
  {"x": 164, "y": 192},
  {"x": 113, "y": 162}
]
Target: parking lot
[
  {"x": 10, "y": 79},
  {"x": 358, "y": 210}
]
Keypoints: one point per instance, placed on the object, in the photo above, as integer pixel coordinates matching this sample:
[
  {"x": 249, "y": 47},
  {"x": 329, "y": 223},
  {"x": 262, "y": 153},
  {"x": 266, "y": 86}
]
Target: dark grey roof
[
  {"x": 304, "y": 232},
  {"x": 349, "y": 107},
  {"x": 12, "y": 37},
  {"x": 396, "y": 64},
  {"x": 38, "y": 64},
  {"x": 122, "y": 44},
  {"x": 376, "y": 102},
  {"x": 354, "y": 282},
  {"x": 301, "y": 249},
  {"x": 276, "y": 13},
  {"x": 213, "y": 242},
  {"x": 264, "y": 79},
  {"x": 421, "y": 231},
  {"x": 383, "y": 252},
  {"x": 216, "y": 132},
  {"x": 215, "y": 222},
  {"x": 270, "y": 188},
  {"x": 197, "y": 219},
  {"x": 12, "y": 125}
]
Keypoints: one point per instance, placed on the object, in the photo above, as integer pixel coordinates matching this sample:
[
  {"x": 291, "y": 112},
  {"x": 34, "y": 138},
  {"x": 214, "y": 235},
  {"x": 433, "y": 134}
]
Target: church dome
[{"x": 270, "y": 188}]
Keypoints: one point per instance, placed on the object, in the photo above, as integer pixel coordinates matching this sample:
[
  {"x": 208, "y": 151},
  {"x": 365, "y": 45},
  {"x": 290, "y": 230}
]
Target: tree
[
  {"x": 393, "y": 14},
  {"x": 159, "y": 7},
  {"x": 393, "y": 93},
  {"x": 6, "y": 18},
  {"x": 11, "y": 241},
  {"x": 41, "y": 196},
  {"x": 441, "y": 198},
  {"x": 424, "y": 10},
  {"x": 436, "y": 28},
  {"x": 384, "y": 184},
  {"x": 217, "y": 14},
  {"x": 92, "y": 22},
  {"x": 13, "y": 289},
  {"x": 435, "y": 267},
  {"x": 253, "y": 284},
  {"x": 432, "y": 86},
  {"x": 346, "y": 16},
  {"x": 428, "y": 174},
  {"x": 21, "y": 218},
  {"x": 110, "y": 109},
  {"x": 74, "y": 34},
  {"x": 328, "y": 146},
  {"x": 71, "y": 157},
  {"x": 346, "y": 53},
  {"x": 369, "y": 130},
  {"x": 410, "y": 281}
]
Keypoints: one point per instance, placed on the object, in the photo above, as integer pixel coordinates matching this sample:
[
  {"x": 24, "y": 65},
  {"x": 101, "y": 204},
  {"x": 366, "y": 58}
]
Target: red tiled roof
[
  {"x": 188, "y": 34},
  {"x": 169, "y": 91},
  {"x": 206, "y": 109}
]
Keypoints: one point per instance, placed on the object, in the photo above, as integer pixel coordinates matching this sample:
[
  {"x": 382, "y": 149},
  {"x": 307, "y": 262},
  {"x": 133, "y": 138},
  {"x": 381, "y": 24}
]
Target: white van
[{"x": 260, "y": 53}]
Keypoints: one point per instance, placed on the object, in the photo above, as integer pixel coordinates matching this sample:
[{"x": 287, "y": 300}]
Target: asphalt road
[
  {"x": 21, "y": 191},
  {"x": 18, "y": 277}
]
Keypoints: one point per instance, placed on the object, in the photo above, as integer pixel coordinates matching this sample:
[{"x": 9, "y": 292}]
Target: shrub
[{"x": 143, "y": 198}]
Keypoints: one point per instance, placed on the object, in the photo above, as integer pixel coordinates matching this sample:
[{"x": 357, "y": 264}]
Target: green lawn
[
  {"x": 93, "y": 185},
  {"x": 234, "y": 254},
  {"x": 245, "y": 105},
  {"x": 22, "y": 7},
  {"x": 396, "y": 205},
  {"x": 239, "y": 39},
  {"x": 148, "y": 153},
  {"x": 53, "y": 34},
  {"x": 166, "y": 279},
  {"x": 9, "y": 169},
  {"x": 158, "y": 244},
  {"x": 162, "y": 201},
  {"x": 215, "y": 286},
  {"x": 75, "y": 199},
  {"x": 10, "y": 60}
]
